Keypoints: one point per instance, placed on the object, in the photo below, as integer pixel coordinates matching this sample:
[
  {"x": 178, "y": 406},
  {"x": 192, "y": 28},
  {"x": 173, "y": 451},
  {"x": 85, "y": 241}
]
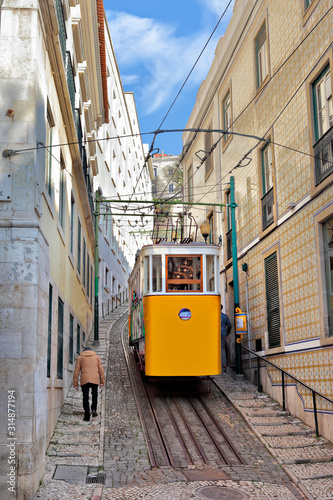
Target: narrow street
[{"x": 108, "y": 457}]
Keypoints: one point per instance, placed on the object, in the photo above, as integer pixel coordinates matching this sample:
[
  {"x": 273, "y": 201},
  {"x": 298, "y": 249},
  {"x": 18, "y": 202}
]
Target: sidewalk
[{"x": 77, "y": 449}]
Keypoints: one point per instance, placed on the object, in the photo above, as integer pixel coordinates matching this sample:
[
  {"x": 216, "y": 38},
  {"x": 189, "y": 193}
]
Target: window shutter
[{"x": 272, "y": 301}]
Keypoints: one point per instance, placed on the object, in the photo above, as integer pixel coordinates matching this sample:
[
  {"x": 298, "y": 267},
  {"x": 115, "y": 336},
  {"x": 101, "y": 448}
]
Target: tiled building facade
[{"x": 270, "y": 87}]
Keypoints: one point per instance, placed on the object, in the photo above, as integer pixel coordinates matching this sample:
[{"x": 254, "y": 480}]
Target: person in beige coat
[{"x": 92, "y": 374}]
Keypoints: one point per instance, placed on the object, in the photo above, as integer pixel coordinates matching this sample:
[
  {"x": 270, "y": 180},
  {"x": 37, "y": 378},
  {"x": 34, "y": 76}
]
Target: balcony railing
[
  {"x": 87, "y": 181},
  {"x": 78, "y": 129},
  {"x": 70, "y": 80},
  {"x": 62, "y": 28},
  {"x": 267, "y": 204},
  {"x": 323, "y": 152}
]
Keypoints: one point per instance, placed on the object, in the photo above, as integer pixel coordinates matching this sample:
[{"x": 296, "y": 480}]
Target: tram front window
[{"x": 184, "y": 273}]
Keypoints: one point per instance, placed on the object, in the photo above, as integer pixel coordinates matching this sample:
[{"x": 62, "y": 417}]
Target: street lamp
[{"x": 205, "y": 230}]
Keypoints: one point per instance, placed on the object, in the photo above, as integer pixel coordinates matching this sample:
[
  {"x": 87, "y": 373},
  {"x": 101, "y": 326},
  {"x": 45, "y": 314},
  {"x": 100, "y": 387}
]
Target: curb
[{"x": 97, "y": 494}]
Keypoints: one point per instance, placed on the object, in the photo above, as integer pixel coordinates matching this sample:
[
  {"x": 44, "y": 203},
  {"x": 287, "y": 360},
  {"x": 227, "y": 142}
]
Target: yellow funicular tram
[{"x": 174, "y": 303}]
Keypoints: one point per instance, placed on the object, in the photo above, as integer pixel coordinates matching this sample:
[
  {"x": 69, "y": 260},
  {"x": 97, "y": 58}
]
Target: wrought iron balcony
[
  {"x": 323, "y": 152},
  {"x": 62, "y": 28},
  {"x": 70, "y": 80},
  {"x": 87, "y": 180},
  {"x": 79, "y": 130},
  {"x": 267, "y": 205}
]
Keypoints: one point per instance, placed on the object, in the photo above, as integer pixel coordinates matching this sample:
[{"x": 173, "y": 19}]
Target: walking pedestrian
[
  {"x": 92, "y": 373},
  {"x": 225, "y": 330}
]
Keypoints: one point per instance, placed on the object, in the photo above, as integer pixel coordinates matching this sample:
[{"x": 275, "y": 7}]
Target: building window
[
  {"x": 88, "y": 277},
  {"x": 62, "y": 194},
  {"x": 49, "y": 334},
  {"x": 307, "y": 3},
  {"x": 79, "y": 245},
  {"x": 84, "y": 263},
  {"x": 323, "y": 105},
  {"x": 71, "y": 340},
  {"x": 71, "y": 229},
  {"x": 190, "y": 183},
  {"x": 91, "y": 285},
  {"x": 328, "y": 249},
  {"x": 60, "y": 346},
  {"x": 323, "y": 125},
  {"x": 170, "y": 171},
  {"x": 170, "y": 188},
  {"x": 262, "y": 55},
  {"x": 267, "y": 200},
  {"x": 155, "y": 173},
  {"x": 49, "y": 133},
  {"x": 106, "y": 283},
  {"x": 208, "y": 152},
  {"x": 272, "y": 301},
  {"x": 226, "y": 113},
  {"x": 183, "y": 273},
  {"x": 78, "y": 339},
  {"x": 154, "y": 189},
  {"x": 229, "y": 232},
  {"x": 212, "y": 228}
]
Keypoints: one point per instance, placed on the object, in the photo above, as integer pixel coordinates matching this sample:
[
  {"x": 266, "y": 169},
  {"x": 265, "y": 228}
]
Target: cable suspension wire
[{"x": 269, "y": 81}]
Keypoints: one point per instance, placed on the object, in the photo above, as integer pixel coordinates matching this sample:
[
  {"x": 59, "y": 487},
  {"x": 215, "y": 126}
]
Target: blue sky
[{"x": 156, "y": 44}]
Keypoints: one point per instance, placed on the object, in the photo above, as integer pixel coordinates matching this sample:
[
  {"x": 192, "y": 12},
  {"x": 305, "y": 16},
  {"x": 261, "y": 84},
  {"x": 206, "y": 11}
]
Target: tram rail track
[{"x": 180, "y": 429}]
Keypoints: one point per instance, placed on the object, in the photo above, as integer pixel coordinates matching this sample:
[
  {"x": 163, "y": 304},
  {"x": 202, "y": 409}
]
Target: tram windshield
[{"x": 184, "y": 273}]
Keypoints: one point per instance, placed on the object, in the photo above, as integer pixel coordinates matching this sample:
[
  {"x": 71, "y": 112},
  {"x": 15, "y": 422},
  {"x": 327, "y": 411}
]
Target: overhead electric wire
[{"x": 264, "y": 86}]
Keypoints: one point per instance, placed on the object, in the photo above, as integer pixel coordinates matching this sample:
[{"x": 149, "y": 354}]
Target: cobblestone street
[{"x": 284, "y": 459}]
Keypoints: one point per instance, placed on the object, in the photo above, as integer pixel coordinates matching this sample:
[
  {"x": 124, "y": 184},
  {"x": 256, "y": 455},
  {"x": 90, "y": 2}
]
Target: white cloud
[
  {"x": 130, "y": 79},
  {"x": 218, "y": 6},
  {"x": 152, "y": 50}
]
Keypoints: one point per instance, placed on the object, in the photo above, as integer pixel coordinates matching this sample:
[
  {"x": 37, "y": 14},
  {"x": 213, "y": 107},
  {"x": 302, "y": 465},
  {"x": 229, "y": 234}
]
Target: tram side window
[
  {"x": 184, "y": 273},
  {"x": 157, "y": 273},
  {"x": 210, "y": 273},
  {"x": 146, "y": 275}
]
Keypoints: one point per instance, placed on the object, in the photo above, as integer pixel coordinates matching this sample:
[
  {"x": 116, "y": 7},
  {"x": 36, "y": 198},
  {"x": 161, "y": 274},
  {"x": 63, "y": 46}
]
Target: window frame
[
  {"x": 184, "y": 281},
  {"x": 227, "y": 137},
  {"x": 49, "y": 332},
  {"x": 50, "y": 124},
  {"x": 190, "y": 183},
  {"x": 320, "y": 178},
  {"x": 72, "y": 226},
  {"x": 79, "y": 237},
  {"x": 315, "y": 84},
  {"x": 71, "y": 339},
  {"x": 60, "y": 339},
  {"x": 209, "y": 164},
  {"x": 62, "y": 194},
  {"x": 261, "y": 79}
]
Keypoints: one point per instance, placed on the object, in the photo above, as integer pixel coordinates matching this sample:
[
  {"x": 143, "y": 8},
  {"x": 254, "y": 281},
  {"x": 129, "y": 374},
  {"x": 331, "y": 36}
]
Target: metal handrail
[
  {"x": 119, "y": 298},
  {"x": 283, "y": 373}
]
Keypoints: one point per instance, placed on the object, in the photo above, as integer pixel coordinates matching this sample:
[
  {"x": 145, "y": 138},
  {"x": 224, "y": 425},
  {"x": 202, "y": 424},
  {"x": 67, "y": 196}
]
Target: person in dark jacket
[
  {"x": 90, "y": 366},
  {"x": 225, "y": 330}
]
